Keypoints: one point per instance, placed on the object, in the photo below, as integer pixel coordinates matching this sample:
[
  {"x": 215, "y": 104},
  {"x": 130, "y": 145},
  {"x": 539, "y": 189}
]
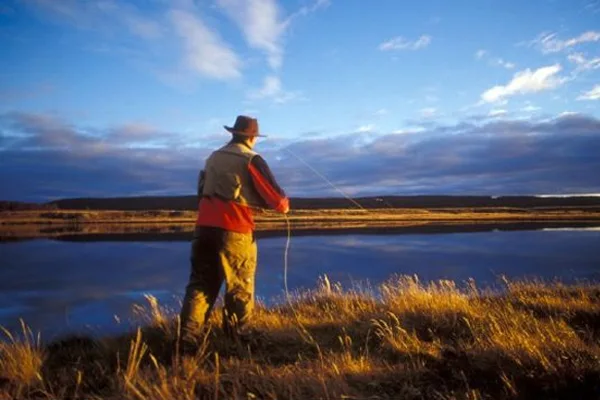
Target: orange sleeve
[{"x": 267, "y": 187}]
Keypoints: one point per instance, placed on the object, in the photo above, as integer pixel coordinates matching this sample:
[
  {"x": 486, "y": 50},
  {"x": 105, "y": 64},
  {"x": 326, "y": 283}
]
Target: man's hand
[{"x": 283, "y": 206}]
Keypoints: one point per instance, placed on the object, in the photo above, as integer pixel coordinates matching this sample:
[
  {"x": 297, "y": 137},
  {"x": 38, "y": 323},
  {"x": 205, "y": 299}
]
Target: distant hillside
[
  {"x": 21, "y": 206},
  {"x": 190, "y": 202}
]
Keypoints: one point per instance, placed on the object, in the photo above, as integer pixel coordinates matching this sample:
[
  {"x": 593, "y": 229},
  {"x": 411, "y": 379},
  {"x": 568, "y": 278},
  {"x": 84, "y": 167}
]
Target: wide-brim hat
[{"x": 246, "y": 126}]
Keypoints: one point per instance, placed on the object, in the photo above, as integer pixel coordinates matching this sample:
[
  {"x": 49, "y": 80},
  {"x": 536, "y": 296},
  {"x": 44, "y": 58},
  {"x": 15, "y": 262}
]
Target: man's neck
[{"x": 245, "y": 144}]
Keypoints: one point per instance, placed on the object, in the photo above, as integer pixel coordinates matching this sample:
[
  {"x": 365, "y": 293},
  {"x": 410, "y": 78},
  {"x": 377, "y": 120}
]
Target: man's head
[
  {"x": 245, "y": 130},
  {"x": 249, "y": 141}
]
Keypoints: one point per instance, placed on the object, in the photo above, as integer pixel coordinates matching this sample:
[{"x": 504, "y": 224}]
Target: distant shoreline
[
  {"x": 190, "y": 203},
  {"x": 15, "y": 225}
]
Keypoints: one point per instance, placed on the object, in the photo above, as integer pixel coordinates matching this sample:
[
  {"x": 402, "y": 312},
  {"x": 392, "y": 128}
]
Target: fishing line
[
  {"x": 303, "y": 331},
  {"x": 289, "y": 227},
  {"x": 325, "y": 179},
  {"x": 286, "y": 254}
]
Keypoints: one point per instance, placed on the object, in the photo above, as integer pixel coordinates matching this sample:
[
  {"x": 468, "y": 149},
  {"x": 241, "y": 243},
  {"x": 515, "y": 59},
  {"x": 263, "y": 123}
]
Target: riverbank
[
  {"x": 402, "y": 339},
  {"x": 43, "y": 223}
]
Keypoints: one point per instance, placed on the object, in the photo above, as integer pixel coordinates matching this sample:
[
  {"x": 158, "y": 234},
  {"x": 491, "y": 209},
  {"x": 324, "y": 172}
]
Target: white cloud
[
  {"x": 260, "y": 22},
  {"x": 549, "y": 42},
  {"x": 273, "y": 89},
  {"x": 365, "y": 128},
  {"x": 480, "y": 54},
  {"x": 524, "y": 82},
  {"x": 592, "y": 94},
  {"x": 400, "y": 43},
  {"x": 497, "y": 113},
  {"x": 381, "y": 112},
  {"x": 206, "y": 53},
  {"x": 305, "y": 10},
  {"x": 584, "y": 63},
  {"x": 263, "y": 24},
  {"x": 503, "y": 63},
  {"x": 530, "y": 108},
  {"x": 495, "y": 61},
  {"x": 568, "y": 114},
  {"x": 409, "y": 130}
]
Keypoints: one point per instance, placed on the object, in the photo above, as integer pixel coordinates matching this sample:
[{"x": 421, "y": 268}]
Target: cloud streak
[
  {"x": 494, "y": 61},
  {"x": 549, "y": 42},
  {"x": 273, "y": 89},
  {"x": 401, "y": 43},
  {"x": 261, "y": 23},
  {"x": 524, "y": 82},
  {"x": 206, "y": 53},
  {"x": 592, "y": 94},
  {"x": 583, "y": 63}
]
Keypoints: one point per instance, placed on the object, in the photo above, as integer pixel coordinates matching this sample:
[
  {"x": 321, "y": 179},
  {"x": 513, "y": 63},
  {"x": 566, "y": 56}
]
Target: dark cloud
[
  {"x": 499, "y": 157},
  {"x": 44, "y": 158}
]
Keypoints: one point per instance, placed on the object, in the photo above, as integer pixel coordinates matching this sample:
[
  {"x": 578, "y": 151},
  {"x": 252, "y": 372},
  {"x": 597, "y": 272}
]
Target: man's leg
[
  {"x": 205, "y": 281},
  {"x": 238, "y": 259}
]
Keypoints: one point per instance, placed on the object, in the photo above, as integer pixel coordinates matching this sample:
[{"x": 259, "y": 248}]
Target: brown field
[
  {"x": 402, "y": 339},
  {"x": 15, "y": 224}
]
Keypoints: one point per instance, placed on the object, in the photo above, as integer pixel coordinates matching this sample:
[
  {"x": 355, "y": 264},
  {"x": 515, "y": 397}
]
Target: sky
[{"x": 104, "y": 98}]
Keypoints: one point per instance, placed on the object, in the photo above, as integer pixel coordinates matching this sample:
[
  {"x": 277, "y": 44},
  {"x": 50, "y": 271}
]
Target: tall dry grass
[
  {"x": 403, "y": 339},
  {"x": 21, "y": 360}
]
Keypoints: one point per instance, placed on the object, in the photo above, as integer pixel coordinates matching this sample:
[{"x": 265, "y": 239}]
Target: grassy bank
[
  {"x": 400, "y": 340},
  {"x": 16, "y": 224}
]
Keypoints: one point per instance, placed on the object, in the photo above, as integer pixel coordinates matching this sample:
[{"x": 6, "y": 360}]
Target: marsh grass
[
  {"x": 21, "y": 359},
  {"x": 403, "y": 339}
]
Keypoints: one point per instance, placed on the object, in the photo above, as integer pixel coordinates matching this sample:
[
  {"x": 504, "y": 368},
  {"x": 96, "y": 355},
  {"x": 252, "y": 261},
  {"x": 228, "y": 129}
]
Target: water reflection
[{"x": 62, "y": 286}]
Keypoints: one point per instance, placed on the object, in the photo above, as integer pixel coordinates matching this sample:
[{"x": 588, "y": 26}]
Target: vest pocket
[{"x": 228, "y": 186}]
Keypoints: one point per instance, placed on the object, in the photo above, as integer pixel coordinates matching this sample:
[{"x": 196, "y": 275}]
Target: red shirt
[{"x": 216, "y": 212}]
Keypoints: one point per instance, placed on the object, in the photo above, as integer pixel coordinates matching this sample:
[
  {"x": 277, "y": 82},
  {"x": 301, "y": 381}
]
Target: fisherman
[{"x": 235, "y": 181}]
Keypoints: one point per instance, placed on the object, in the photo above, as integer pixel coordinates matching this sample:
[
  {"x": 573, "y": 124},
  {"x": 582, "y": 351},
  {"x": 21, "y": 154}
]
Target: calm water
[{"x": 61, "y": 287}]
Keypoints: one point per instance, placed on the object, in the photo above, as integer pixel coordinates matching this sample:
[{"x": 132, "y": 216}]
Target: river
[{"x": 89, "y": 285}]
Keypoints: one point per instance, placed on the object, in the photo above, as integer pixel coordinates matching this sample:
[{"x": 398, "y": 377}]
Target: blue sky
[{"x": 118, "y": 98}]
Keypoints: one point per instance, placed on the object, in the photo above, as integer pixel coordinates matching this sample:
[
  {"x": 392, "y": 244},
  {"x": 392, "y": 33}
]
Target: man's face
[{"x": 253, "y": 141}]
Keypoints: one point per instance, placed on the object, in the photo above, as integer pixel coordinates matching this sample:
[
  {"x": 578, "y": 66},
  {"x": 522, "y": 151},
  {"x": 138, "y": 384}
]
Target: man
[{"x": 235, "y": 181}]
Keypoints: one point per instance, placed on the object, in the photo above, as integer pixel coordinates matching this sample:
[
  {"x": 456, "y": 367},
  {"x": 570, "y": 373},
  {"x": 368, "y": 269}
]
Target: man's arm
[{"x": 266, "y": 185}]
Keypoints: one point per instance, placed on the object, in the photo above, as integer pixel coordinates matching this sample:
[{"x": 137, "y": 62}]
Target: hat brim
[{"x": 231, "y": 130}]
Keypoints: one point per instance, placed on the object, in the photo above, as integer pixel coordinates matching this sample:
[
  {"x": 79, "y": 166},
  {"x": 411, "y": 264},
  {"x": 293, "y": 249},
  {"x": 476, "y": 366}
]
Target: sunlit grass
[
  {"x": 21, "y": 360},
  {"x": 402, "y": 339},
  {"x": 92, "y": 221}
]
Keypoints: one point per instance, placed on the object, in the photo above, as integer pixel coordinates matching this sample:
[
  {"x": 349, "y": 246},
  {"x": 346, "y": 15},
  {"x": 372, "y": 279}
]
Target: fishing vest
[{"x": 227, "y": 175}]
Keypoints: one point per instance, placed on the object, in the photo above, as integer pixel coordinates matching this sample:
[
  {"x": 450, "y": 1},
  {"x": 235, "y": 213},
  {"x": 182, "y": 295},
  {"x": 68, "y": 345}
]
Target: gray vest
[{"x": 227, "y": 175}]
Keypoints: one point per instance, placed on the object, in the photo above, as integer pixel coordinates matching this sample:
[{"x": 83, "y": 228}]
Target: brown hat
[{"x": 245, "y": 126}]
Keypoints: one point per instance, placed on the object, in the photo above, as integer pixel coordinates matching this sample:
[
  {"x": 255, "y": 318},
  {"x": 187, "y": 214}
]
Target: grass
[
  {"x": 300, "y": 216},
  {"x": 19, "y": 224},
  {"x": 403, "y": 339}
]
